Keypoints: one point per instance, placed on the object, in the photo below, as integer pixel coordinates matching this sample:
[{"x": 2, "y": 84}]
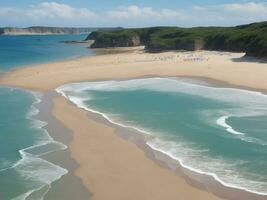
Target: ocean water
[
  {"x": 220, "y": 132},
  {"x": 24, "y": 175},
  {"x": 23, "y": 50}
]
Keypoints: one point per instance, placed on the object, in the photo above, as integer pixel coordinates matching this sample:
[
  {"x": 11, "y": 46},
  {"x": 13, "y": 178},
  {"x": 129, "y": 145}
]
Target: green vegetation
[
  {"x": 120, "y": 38},
  {"x": 251, "y": 38}
]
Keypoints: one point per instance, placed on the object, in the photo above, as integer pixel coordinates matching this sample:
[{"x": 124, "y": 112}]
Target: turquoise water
[
  {"x": 217, "y": 131},
  {"x": 17, "y": 51},
  {"x": 23, "y": 140}
]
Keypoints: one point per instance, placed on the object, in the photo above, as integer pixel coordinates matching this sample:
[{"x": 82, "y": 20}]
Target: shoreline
[
  {"x": 96, "y": 68},
  {"x": 130, "y": 63},
  {"x": 35, "y": 152},
  {"x": 61, "y": 158},
  {"x": 177, "y": 185},
  {"x": 194, "y": 177}
]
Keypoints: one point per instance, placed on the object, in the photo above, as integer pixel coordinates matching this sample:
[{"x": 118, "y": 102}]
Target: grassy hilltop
[{"x": 251, "y": 38}]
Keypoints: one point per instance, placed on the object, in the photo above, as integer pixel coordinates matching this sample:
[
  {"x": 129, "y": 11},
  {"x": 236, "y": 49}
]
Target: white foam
[
  {"x": 231, "y": 95},
  {"x": 79, "y": 103},
  {"x": 31, "y": 166},
  {"x": 23, "y": 196},
  {"x": 171, "y": 151},
  {"x": 241, "y": 98},
  {"x": 222, "y": 122},
  {"x": 28, "y": 194},
  {"x": 35, "y": 168},
  {"x": 243, "y": 136}
]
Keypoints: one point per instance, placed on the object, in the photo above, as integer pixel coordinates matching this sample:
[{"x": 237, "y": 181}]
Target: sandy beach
[
  {"x": 117, "y": 169},
  {"x": 230, "y": 68},
  {"x": 110, "y": 167}
]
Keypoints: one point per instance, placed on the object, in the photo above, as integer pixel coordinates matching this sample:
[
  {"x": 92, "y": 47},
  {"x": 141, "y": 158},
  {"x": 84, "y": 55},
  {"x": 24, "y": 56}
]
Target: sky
[{"x": 127, "y": 13}]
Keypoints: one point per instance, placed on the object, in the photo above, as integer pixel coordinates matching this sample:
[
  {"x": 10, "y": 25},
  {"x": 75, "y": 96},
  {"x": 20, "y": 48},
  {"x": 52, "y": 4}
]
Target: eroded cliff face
[
  {"x": 116, "y": 42},
  {"x": 250, "y": 38}
]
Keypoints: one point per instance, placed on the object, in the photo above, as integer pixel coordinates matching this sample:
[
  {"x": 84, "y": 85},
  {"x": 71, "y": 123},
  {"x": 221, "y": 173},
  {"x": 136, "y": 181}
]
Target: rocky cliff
[
  {"x": 107, "y": 39},
  {"x": 250, "y": 38}
]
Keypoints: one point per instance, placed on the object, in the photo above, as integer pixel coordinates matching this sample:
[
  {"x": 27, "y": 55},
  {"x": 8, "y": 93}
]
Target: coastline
[
  {"x": 225, "y": 67},
  {"x": 201, "y": 180},
  {"x": 61, "y": 158},
  {"x": 119, "y": 167},
  {"x": 125, "y": 67}
]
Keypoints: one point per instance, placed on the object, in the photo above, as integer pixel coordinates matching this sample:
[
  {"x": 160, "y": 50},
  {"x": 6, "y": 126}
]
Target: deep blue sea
[
  {"x": 220, "y": 132},
  {"x": 23, "y": 140}
]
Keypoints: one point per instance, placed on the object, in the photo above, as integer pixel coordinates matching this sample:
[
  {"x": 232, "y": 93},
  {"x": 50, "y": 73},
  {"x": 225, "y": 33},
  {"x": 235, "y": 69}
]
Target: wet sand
[
  {"x": 114, "y": 168},
  {"x": 63, "y": 157}
]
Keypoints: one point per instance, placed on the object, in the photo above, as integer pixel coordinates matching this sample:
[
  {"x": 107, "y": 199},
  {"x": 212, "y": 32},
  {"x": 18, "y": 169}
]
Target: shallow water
[
  {"x": 23, "y": 141},
  {"x": 217, "y": 131}
]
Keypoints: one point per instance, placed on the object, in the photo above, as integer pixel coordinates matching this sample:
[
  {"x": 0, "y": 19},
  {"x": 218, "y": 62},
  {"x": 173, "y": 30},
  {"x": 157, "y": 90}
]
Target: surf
[
  {"x": 30, "y": 170},
  {"x": 211, "y": 106}
]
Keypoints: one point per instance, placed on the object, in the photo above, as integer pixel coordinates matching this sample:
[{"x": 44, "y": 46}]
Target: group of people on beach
[
  {"x": 185, "y": 58},
  {"x": 174, "y": 58}
]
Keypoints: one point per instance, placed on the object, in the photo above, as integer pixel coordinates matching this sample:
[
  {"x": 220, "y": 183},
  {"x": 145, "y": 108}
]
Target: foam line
[
  {"x": 215, "y": 176},
  {"x": 222, "y": 122},
  {"x": 172, "y": 85},
  {"x": 45, "y": 176},
  {"x": 167, "y": 85}
]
